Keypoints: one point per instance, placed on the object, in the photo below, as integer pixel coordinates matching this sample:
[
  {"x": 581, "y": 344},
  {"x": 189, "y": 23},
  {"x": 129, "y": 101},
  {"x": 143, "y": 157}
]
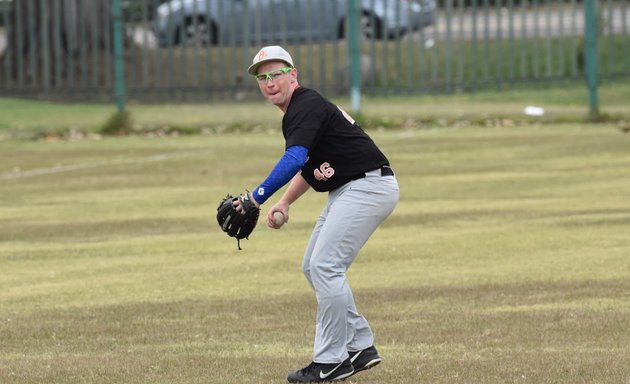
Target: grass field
[
  {"x": 506, "y": 260},
  {"x": 28, "y": 119}
]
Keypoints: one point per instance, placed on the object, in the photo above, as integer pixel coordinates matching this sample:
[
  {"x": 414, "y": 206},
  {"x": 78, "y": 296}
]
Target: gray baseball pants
[{"x": 352, "y": 214}]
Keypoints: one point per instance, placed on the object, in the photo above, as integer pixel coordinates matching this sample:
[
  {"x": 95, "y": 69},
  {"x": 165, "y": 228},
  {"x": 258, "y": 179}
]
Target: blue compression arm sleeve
[{"x": 290, "y": 163}]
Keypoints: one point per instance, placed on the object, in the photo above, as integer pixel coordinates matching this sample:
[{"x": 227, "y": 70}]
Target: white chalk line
[{"x": 19, "y": 174}]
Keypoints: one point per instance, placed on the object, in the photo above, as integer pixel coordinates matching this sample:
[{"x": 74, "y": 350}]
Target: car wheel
[
  {"x": 370, "y": 26},
  {"x": 198, "y": 33}
]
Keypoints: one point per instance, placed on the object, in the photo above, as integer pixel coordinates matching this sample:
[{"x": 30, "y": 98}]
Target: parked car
[{"x": 209, "y": 22}]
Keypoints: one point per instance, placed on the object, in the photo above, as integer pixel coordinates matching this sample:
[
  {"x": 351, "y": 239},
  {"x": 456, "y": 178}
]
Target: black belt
[{"x": 386, "y": 170}]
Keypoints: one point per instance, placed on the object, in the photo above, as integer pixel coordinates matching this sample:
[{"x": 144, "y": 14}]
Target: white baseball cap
[{"x": 270, "y": 53}]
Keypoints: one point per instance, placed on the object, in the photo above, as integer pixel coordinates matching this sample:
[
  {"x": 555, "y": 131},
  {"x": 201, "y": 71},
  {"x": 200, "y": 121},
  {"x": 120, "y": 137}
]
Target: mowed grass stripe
[
  {"x": 422, "y": 332},
  {"x": 506, "y": 260}
]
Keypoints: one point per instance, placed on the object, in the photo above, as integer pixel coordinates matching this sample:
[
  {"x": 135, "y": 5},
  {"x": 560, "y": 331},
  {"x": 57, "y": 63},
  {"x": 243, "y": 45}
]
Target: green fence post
[
  {"x": 119, "y": 64},
  {"x": 45, "y": 47},
  {"x": 353, "y": 48},
  {"x": 590, "y": 53}
]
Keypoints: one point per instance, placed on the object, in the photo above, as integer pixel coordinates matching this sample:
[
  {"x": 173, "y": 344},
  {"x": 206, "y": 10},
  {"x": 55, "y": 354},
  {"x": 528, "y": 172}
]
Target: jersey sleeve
[{"x": 304, "y": 120}]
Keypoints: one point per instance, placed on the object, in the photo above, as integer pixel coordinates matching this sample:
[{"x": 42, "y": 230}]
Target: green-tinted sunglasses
[{"x": 267, "y": 76}]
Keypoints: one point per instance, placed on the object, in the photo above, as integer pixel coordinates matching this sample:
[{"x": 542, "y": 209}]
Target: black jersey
[{"x": 338, "y": 149}]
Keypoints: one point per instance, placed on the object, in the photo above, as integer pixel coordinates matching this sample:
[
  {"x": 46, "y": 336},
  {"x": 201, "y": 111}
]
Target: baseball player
[{"x": 327, "y": 151}]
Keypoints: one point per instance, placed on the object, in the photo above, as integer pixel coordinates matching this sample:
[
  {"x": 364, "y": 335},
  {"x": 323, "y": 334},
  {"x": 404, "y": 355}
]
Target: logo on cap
[{"x": 261, "y": 54}]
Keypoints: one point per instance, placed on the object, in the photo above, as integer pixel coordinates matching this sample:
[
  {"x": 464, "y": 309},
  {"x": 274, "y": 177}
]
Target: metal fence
[{"x": 200, "y": 50}]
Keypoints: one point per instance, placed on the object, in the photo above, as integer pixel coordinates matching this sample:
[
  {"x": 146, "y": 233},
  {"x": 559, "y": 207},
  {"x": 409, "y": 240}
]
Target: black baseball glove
[{"x": 237, "y": 224}]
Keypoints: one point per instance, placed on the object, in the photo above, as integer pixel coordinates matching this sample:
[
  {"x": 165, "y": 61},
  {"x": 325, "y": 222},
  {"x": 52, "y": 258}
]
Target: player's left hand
[
  {"x": 238, "y": 216},
  {"x": 238, "y": 204}
]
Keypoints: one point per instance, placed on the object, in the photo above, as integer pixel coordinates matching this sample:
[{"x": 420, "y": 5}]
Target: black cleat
[
  {"x": 365, "y": 359},
  {"x": 319, "y": 373}
]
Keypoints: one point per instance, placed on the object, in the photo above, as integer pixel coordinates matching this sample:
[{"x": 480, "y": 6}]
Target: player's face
[{"x": 279, "y": 85}]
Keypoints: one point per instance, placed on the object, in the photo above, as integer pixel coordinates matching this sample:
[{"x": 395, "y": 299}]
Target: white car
[{"x": 210, "y": 22}]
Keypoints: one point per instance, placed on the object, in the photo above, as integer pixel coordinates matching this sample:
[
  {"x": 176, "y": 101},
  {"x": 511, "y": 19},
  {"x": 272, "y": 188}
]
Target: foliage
[
  {"x": 47, "y": 120},
  {"x": 119, "y": 123}
]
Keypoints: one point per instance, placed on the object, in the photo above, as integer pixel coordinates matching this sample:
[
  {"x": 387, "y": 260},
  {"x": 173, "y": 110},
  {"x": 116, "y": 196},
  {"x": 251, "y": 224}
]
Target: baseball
[{"x": 278, "y": 218}]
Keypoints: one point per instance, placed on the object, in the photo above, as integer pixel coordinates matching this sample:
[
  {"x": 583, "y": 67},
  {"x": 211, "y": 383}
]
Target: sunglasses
[{"x": 268, "y": 76}]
